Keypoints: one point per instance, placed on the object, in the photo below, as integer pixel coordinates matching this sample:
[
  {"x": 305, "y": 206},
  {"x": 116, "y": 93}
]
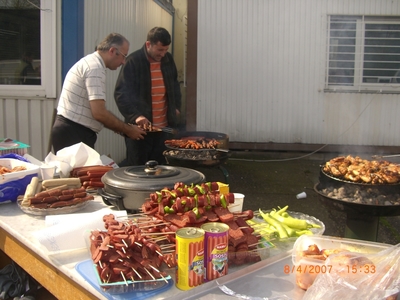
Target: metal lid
[{"x": 150, "y": 177}]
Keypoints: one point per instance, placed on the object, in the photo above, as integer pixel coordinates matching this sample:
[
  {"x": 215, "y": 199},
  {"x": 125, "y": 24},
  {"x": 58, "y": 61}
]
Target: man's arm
[
  {"x": 110, "y": 121},
  {"x": 126, "y": 92}
]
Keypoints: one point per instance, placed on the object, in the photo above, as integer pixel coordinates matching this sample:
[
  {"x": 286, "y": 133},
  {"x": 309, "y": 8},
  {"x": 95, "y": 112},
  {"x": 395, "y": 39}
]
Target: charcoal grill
[
  {"x": 362, "y": 220},
  {"x": 191, "y": 158}
]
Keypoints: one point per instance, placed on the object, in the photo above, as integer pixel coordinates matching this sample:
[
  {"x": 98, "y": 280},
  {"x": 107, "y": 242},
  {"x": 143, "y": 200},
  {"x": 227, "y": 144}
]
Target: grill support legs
[{"x": 362, "y": 227}]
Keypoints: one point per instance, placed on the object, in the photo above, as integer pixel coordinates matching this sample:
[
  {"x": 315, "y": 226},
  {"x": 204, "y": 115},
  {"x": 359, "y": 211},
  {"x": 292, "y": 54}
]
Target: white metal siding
[
  {"x": 133, "y": 19},
  {"x": 28, "y": 121},
  {"x": 260, "y": 77}
]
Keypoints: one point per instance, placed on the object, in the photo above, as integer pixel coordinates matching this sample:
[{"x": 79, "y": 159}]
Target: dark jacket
[{"x": 133, "y": 87}]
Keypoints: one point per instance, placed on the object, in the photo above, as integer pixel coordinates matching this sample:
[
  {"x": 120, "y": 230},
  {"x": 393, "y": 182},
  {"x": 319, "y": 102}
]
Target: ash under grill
[{"x": 194, "y": 155}]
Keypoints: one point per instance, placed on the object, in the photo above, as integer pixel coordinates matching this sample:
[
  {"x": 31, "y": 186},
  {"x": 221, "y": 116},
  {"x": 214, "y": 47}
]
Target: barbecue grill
[
  {"x": 362, "y": 217},
  {"x": 195, "y": 158}
]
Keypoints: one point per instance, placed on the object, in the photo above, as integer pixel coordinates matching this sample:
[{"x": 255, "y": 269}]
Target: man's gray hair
[{"x": 111, "y": 40}]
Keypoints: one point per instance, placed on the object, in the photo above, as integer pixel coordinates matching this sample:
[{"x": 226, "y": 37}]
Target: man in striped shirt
[
  {"x": 148, "y": 92},
  {"x": 81, "y": 111}
]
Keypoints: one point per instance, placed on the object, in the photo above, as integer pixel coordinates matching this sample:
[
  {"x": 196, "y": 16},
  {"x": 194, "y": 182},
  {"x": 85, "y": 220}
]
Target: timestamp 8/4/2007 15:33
[{"x": 321, "y": 269}]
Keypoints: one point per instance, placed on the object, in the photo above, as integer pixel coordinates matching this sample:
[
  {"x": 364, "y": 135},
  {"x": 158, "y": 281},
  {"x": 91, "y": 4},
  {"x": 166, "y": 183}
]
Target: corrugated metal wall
[
  {"x": 260, "y": 76},
  {"x": 133, "y": 19},
  {"x": 28, "y": 121}
]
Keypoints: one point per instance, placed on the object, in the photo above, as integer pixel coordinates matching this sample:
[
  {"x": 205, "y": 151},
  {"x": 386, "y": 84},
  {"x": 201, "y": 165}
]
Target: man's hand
[
  {"x": 142, "y": 121},
  {"x": 135, "y": 132},
  {"x": 101, "y": 114}
]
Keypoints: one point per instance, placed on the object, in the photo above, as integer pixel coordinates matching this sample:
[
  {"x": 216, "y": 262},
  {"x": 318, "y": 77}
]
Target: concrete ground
[{"x": 271, "y": 179}]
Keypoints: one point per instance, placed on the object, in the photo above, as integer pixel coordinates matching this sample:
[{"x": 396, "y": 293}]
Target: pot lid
[{"x": 150, "y": 177}]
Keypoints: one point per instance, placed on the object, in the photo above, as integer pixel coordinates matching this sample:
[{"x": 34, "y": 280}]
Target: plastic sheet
[{"x": 359, "y": 279}]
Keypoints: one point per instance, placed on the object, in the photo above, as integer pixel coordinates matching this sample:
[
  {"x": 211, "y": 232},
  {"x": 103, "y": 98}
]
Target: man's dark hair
[{"x": 159, "y": 34}]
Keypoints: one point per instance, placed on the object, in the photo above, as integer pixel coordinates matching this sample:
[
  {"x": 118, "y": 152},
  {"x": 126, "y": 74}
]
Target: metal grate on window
[{"x": 363, "y": 52}]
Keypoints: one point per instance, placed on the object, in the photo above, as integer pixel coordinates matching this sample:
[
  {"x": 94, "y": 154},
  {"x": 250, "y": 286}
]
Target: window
[
  {"x": 363, "y": 54},
  {"x": 27, "y": 31},
  {"x": 167, "y": 5}
]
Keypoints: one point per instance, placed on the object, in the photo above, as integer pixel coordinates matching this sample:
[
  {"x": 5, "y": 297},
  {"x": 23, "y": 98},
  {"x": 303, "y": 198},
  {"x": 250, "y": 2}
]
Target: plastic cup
[
  {"x": 47, "y": 171},
  {"x": 237, "y": 206},
  {"x": 301, "y": 195}
]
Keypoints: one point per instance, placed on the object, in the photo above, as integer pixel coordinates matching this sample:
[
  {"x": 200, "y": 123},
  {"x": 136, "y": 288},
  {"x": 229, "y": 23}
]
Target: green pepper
[
  {"x": 196, "y": 211},
  {"x": 208, "y": 200},
  {"x": 159, "y": 196},
  {"x": 201, "y": 189},
  {"x": 168, "y": 210},
  {"x": 223, "y": 201},
  {"x": 196, "y": 200},
  {"x": 270, "y": 220},
  {"x": 191, "y": 191}
]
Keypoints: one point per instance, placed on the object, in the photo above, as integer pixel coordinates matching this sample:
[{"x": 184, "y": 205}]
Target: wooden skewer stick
[
  {"x": 155, "y": 269},
  {"x": 137, "y": 273},
  {"x": 153, "y": 225},
  {"x": 169, "y": 251},
  {"x": 148, "y": 272},
  {"x": 133, "y": 215},
  {"x": 123, "y": 276},
  {"x": 258, "y": 249},
  {"x": 157, "y": 233},
  {"x": 167, "y": 246}
]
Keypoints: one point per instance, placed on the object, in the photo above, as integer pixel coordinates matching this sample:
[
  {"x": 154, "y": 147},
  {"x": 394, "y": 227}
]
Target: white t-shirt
[{"x": 85, "y": 81}]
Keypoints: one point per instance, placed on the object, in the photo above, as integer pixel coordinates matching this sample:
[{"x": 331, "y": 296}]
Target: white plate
[{"x": 52, "y": 211}]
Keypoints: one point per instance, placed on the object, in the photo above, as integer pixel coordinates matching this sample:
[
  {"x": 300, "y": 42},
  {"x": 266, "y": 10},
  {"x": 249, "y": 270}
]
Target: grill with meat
[{"x": 358, "y": 170}]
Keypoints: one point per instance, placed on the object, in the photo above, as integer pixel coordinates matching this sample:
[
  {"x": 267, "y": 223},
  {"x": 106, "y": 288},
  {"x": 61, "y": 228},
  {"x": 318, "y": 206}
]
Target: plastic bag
[
  {"x": 359, "y": 279},
  {"x": 15, "y": 156},
  {"x": 11, "y": 190}
]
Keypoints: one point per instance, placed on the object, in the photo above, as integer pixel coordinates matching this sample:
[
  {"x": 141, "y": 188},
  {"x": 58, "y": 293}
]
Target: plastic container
[
  {"x": 126, "y": 286},
  {"x": 237, "y": 206},
  {"x": 14, "y": 184},
  {"x": 47, "y": 171},
  {"x": 307, "y": 269}
]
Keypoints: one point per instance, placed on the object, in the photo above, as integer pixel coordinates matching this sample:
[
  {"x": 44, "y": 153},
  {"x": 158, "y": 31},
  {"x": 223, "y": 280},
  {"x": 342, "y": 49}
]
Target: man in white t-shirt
[{"x": 81, "y": 111}]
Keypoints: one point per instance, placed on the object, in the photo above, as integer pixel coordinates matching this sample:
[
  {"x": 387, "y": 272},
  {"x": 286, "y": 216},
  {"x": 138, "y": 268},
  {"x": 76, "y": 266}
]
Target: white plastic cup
[
  {"x": 237, "y": 206},
  {"x": 301, "y": 195},
  {"x": 47, "y": 171}
]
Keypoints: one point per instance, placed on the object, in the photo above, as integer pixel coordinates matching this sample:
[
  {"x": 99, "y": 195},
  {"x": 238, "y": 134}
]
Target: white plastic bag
[
  {"x": 74, "y": 156},
  {"x": 359, "y": 281}
]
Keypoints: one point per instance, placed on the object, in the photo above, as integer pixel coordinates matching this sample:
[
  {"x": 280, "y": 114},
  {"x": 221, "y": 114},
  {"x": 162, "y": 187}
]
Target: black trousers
[
  {"x": 66, "y": 133},
  {"x": 139, "y": 152}
]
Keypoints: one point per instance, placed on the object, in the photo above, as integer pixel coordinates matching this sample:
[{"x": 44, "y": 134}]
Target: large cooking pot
[{"x": 127, "y": 188}]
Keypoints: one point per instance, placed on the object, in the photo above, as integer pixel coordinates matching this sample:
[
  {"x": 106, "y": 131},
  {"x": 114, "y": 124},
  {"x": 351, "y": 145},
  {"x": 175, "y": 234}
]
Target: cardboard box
[{"x": 14, "y": 184}]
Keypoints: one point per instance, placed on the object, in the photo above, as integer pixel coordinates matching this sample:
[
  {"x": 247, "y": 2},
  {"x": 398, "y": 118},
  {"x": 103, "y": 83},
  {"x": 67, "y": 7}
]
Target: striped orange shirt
[{"x": 158, "y": 96}]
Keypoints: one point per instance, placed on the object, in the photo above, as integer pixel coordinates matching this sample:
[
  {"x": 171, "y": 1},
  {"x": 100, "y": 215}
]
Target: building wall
[{"x": 261, "y": 69}]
